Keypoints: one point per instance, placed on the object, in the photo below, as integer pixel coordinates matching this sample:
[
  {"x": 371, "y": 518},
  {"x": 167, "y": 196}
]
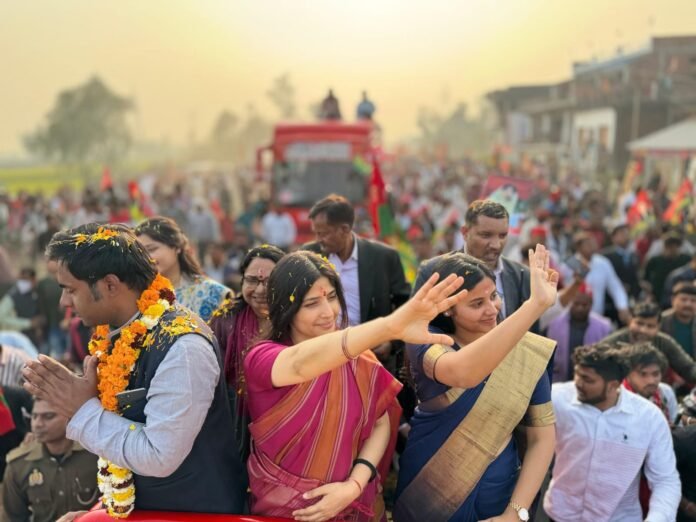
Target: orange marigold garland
[{"x": 116, "y": 363}]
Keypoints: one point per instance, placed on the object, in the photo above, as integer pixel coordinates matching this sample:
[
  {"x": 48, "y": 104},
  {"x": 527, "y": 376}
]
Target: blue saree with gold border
[{"x": 461, "y": 461}]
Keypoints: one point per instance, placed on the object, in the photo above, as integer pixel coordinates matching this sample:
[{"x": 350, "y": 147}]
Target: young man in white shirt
[{"x": 605, "y": 436}]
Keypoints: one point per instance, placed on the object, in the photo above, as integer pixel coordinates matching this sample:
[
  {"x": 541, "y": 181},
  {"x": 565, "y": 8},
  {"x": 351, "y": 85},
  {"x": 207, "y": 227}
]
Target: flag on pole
[
  {"x": 7, "y": 423},
  {"x": 679, "y": 206},
  {"x": 385, "y": 225},
  {"x": 382, "y": 218}
]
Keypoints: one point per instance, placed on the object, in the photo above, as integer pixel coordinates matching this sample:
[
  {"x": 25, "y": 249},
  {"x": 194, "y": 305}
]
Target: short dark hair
[
  {"x": 270, "y": 252},
  {"x": 580, "y": 237},
  {"x": 487, "y": 208},
  {"x": 288, "y": 285},
  {"x": 28, "y": 271},
  {"x": 619, "y": 228},
  {"x": 165, "y": 230},
  {"x": 93, "y": 251},
  {"x": 608, "y": 360},
  {"x": 471, "y": 269},
  {"x": 646, "y": 310},
  {"x": 684, "y": 287},
  {"x": 338, "y": 210},
  {"x": 673, "y": 239},
  {"x": 524, "y": 250},
  {"x": 644, "y": 354}
]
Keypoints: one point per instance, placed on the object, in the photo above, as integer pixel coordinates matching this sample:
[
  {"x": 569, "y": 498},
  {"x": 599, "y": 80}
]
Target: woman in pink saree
[{"x": 323, "y": 409}]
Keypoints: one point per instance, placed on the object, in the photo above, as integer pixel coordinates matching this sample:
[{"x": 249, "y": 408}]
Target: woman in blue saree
[{"x": 461, "y": 461}]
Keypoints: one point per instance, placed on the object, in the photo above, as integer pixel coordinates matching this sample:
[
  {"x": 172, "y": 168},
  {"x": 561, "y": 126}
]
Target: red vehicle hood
[{"x": 167, "y": 516}]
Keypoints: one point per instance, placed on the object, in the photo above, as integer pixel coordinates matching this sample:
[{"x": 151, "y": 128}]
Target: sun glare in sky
[{"x": 184, "y": 62}]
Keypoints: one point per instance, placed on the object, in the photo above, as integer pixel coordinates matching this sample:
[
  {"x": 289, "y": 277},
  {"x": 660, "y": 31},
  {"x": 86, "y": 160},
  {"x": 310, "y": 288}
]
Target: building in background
[{"x": 586, "y": 121}]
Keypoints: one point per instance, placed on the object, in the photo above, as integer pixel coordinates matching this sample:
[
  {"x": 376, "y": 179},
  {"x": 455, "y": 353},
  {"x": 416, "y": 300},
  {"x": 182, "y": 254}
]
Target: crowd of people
[{"x": 536, "y": 367}]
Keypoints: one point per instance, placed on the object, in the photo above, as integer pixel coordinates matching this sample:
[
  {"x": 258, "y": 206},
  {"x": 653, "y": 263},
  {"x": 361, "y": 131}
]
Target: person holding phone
[{"x": 598, "y": 273}]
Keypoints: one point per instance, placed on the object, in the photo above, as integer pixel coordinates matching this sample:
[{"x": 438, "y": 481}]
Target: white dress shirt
[
  {"x": 670, "y": 400},
  {"x": 12, "y": 360},
  {"x": 499, "y": 286},
  {"x": 278, "y": 229},
  {"x": 602, "y": 279},
  {"x": 599, "y": 457},
  {"x": 178, "y": 400},
  {"x": 348, "y": 272}
]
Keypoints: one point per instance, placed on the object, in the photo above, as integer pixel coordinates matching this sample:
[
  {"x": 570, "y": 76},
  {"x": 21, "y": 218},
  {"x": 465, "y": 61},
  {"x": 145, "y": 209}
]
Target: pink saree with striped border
[{"x": 314, "y": 432}]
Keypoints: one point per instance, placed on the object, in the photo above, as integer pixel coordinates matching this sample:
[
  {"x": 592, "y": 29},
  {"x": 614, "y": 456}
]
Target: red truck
[{"x": 312, "y": 160}]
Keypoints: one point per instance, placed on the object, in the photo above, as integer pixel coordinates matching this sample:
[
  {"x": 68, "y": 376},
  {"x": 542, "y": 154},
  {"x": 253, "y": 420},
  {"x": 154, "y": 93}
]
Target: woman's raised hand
[
  {"x": 410, "y": 322},
  {"x": 543, "y": 280}
]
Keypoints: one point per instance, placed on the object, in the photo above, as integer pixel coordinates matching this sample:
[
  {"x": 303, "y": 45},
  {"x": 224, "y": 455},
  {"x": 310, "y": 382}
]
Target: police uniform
[{"x": 40, "y": 487}]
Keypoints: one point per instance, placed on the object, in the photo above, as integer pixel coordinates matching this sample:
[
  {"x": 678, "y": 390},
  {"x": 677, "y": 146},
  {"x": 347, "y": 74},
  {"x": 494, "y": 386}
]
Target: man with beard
[
  {"x": 678, "y": 322},
  {"x": 49, "y": 476},
  {"x": 485, "y": 231},
  {"x": 605, "y": 435},
  {"x": 645, "y": 326},
  {"x": 647, "y": 366}
]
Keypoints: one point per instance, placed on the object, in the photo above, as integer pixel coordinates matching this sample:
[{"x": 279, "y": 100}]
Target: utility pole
[{"x": 635, "y": 113}]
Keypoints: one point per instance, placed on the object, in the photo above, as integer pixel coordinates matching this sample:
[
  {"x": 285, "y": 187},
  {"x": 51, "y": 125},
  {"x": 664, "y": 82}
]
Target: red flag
[
  {"x": 378, "y": 195},
  {"x": 680, "y": 201},
  {"x": 7, "y": 423},
  {"x": 641, "y": 208},
  {"x": 133, "y": 190},
  {"x": 106, "y": 182}
]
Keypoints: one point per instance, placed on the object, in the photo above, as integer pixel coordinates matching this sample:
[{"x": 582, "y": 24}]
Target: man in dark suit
[
  {"x": 626, "y": 266},
  {"x": 679, "y": 321},
  {"x": 371, "y": 273},
  {"x": 485, "y": 231},
  {"x": 684, "y": 273}
]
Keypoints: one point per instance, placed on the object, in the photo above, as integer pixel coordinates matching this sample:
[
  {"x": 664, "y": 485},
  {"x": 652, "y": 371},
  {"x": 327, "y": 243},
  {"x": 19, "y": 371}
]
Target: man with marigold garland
[{"x": 151, "y": 401}]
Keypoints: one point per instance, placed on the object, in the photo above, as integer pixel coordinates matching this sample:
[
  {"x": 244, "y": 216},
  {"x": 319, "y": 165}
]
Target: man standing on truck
[{"x": 329, "y": 109}]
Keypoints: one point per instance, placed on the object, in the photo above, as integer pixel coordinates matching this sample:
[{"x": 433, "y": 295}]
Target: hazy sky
[{"x": 185, "y": 60}]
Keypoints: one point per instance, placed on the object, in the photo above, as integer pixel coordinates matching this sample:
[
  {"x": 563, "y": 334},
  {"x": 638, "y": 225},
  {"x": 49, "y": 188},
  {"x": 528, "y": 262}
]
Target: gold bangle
[{"x": 344, "y": 346}]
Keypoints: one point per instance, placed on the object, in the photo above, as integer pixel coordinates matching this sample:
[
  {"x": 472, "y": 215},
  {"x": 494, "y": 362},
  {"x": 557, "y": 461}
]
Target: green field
[
  {"x": 39, "y": 178},
  {"x": 49, "y": 178}
]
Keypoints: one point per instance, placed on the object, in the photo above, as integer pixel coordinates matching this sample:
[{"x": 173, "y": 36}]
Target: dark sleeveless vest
[{"x": 211, "y": 478}]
